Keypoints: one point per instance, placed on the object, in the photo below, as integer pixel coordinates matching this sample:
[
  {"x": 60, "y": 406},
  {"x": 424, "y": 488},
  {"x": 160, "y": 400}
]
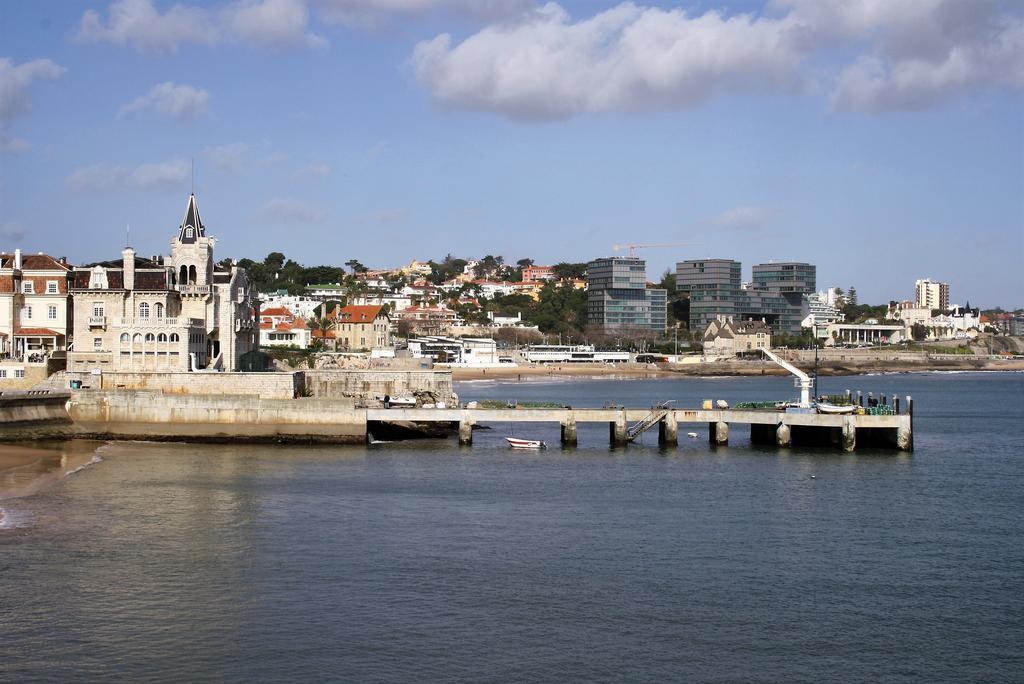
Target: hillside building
[{"x": 931, "y": 294}]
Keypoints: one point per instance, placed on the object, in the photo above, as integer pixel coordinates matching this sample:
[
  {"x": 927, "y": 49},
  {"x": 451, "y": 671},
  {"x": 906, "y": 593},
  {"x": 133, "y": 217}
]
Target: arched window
[
  {"x": 158, "y": 310},
  {"x": 144, "y": 310},
  {"x": 150, "y": 337},
  {"x": 125, "y": 338},
  {"x": 188, "y": 232},
  {"x": 162, "y": 337},
  {"x": 174, "y": 337},
  {"x": 191, "y": 275},
  {"x": 137, "y": 338},
  {"x": 183, "y": 277}
]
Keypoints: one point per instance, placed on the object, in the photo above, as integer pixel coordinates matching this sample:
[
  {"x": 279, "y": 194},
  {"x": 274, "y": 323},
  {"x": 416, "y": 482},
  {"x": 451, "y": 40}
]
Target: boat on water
[
  {"x": 515, "y": 443},
  {"x": 834, "y": 408}
]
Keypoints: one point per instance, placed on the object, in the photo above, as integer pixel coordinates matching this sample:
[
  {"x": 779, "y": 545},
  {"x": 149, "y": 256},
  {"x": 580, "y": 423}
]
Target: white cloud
[
  {"x": 229, "y": 158},
  {"x": 281, "y": 23},
  {"x": 15, "y": 80},
  {"x": 139, "y": 24},
  {"x": 907, "y": 54},
  {"x": 285, "y": 210},
  {"x": 13, "y": 146},
  {"x": 371, "y": 12},
  {"x": 625, "y": 58},
  {"x": 750, "y": 217},
  {"x": 170, "y": 175},
  {"x": 181, "y": 102},
  {"x": 319, "y": 170}
]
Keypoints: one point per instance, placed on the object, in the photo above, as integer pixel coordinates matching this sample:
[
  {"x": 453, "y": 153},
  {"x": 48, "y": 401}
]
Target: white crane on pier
[{"x": 803, "y": 380}]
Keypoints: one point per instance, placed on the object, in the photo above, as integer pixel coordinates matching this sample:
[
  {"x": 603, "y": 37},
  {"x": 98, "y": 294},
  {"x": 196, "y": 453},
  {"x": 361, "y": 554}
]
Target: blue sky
[{"x": 883, "y": 142}]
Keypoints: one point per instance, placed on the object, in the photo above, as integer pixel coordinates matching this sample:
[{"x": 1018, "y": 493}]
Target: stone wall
[
  {"x": 361, "y": 385},
  {"x": 264, "y": 385},
  {"x": 369, "y": 384},
  {"x": 33, "y": 415},
  {"x": 133, "y": 414}
]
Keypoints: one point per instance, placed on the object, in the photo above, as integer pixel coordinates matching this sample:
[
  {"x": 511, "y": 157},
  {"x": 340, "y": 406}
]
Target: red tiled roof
[
  {"x": 276, "y": 311},
  {"x": 37, "y": 332},
  {"x": 34, "y": 262},
  {"x": 357, "y": 314}
]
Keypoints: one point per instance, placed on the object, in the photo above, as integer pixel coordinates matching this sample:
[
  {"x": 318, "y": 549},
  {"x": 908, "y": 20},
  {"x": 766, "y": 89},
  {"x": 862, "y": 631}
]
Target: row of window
[
  {"x": 98, "y": 310},
  {"x": 18, "y": 372},
  {"x": 51, "y": 313},
  {"x": 28, "y": 287},
  {"x": 150, "y": 337}
]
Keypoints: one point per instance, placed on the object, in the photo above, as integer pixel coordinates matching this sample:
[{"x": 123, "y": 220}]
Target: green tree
[
  {"x": 274, "y": 261},
  {"x": 571, "y": 271}
]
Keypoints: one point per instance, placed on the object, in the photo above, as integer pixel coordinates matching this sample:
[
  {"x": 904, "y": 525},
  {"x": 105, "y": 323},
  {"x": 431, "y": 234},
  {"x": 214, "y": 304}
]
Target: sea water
[{"x": 424, "y": 561}]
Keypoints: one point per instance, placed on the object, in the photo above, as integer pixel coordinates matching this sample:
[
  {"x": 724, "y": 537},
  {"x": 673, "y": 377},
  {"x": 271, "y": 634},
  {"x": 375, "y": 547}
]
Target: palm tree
[{"x": 324, "y": 325}]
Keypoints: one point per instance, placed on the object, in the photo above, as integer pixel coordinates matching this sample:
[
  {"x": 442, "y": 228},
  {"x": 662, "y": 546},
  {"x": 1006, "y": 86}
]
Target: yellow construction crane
[{"x": 633, "y": 247}]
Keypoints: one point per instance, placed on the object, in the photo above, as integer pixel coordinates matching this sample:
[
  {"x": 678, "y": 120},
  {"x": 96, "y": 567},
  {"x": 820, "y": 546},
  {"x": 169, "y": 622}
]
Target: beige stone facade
[{"x": 175, "y": 314}]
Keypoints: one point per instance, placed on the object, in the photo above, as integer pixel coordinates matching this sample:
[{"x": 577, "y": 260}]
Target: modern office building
[
  {"x": 618, "y": 297},
  {"x": 930, "y": 294},
  {"x": 776, "y": 295}
]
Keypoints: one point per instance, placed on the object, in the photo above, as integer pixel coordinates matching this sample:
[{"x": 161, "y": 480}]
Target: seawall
[
  {"x": 137, "y": 414},
  {"x": 31, "y": 414}
]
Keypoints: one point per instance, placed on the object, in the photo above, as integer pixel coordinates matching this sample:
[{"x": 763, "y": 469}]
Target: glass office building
[
  {"x": 776, "y": 295},
  {"x": 618, "y": 297}
]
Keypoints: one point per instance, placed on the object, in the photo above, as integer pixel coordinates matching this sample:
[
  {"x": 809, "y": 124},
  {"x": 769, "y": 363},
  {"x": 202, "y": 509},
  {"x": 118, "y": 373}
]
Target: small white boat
[
  {"x": 525, "y": 443},
  {"x": 832, "y": 408},
  {"x": 691, "y": 435}
]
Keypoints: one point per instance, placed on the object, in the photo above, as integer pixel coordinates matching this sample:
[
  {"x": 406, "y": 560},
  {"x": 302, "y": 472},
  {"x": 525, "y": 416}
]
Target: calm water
[{"x": 413, "y": 562}]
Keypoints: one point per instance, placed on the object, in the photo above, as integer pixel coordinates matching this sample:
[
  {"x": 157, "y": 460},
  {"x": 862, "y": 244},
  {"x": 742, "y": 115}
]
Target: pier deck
[{"x": 779, "y": 427}]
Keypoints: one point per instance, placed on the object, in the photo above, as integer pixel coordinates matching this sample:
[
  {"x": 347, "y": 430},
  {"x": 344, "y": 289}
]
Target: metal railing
[{"x": 158, "y": 323}]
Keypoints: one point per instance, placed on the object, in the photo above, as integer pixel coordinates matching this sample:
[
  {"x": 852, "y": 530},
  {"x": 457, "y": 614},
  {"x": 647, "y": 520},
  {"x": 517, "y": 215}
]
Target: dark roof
[
  {"x": 140, "y": 262},
  {"x": 148, "y": 279},
  {"x": 193, "y": 221}
]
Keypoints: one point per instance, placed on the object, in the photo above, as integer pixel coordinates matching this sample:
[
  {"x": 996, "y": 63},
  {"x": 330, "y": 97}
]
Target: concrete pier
[
  {"x": 133, "y": 414},
  {"x": 849, "y": 433},
  {"x": 668, "y": 430},
  {"x": 783, "y": 435},
  {"x": 465, "y": 433},
  {"x": 569, "y": 431},
  {"x": 617, "y": 429},
  {"x": 718, "y": 433}
]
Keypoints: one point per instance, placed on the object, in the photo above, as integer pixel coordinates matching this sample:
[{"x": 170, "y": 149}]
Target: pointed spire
[{"x": 192, "y": 227}]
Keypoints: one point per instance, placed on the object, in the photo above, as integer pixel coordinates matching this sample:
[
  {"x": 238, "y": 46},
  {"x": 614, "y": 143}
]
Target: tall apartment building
[
  {"x": 776, "y": 295},
  {"x": 618, "y": 297},
  {"x": 179, "y": 314},
  {"x": 930, "y": 294}
]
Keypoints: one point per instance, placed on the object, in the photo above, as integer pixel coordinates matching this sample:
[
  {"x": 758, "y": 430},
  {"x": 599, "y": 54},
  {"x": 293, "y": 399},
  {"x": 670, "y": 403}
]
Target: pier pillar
[
  {"x": 617, "y": 430},
  {"x": 465, "y": 433},
  {"x": 668, "y": 430},
  {"x": 718, "y": 433},
  {"x": 849, "y": 433},
  {"x": 783, "y": 435},
  {"x": 569, "y": 431},
  {"x": 904, "y": 437}
]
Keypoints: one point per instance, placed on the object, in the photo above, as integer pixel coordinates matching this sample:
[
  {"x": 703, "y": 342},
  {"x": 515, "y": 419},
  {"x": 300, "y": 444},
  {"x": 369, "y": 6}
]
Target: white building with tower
[{"x": 182, "y": 313}]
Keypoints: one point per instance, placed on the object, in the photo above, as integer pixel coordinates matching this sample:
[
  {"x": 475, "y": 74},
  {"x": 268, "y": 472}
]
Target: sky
[{"x": 882, "y": 140}]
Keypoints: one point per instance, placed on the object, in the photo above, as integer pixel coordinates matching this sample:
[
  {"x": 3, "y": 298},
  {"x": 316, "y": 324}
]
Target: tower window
[{"x": 188, "y": 232}]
